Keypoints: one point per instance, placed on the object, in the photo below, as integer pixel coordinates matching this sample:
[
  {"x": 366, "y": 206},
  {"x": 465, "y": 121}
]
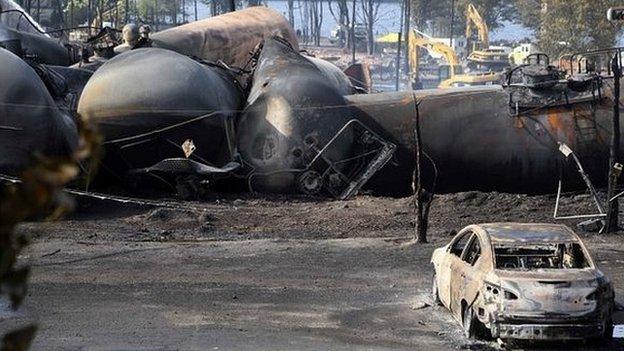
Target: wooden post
[{"x": 614, "y": 155}]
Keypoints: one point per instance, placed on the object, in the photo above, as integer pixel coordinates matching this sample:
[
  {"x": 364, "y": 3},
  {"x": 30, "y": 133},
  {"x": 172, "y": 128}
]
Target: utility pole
[
  {"x": 353, "y": 41},
  {"x": 127, "y": 11},
  {"x": 408, "y": 15},
  {"x": 614, "y": 14},
  {"x": 195, "y": 5},
  {"x": 89, "y": 15},
  {"x": 71, "y": 13},
  {"x": 614, "y": 155},
  {"x": 452, "y": 22},
  {"x": 398, "y": 57}
]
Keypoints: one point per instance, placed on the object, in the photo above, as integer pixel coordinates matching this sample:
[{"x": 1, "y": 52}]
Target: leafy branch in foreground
[{"x": 40, "y": 193}]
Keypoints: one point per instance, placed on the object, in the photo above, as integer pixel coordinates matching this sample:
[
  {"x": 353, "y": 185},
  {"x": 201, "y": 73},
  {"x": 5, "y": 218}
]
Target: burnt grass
[
  {"x": 297, "y": 228},
  {"x": 245, "y": 217}
]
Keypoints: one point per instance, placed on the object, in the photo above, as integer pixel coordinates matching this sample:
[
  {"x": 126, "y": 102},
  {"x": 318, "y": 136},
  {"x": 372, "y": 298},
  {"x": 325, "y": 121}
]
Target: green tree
[
  {"x": 567, "y": 26},
  {"x": 434, "y": 16}
]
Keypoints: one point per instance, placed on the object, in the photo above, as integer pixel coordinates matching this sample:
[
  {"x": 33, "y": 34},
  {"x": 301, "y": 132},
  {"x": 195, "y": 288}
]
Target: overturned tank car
[
  {"x": 297, "y": 134},
  {"x": 20, "y": 34},
  {"x": 163, "y": 115},
  {"x": 229, "y": 37},
  {"x": 502, "y": 138},
  {"x": 30, "y": 122}
]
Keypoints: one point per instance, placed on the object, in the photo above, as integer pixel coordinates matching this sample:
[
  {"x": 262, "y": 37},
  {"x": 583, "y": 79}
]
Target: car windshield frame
[{"x": 493, "y": 246}]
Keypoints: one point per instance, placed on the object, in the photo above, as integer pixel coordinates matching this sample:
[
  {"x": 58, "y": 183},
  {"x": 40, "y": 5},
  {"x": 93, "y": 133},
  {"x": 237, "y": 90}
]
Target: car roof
[{"x": 528, "y": 233}]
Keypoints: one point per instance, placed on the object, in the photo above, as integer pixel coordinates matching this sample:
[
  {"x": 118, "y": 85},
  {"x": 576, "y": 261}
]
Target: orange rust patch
[{"x": 555, "y": 121}]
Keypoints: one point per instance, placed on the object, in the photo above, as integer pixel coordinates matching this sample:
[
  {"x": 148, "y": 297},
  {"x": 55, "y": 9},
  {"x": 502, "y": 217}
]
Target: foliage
[
  {"x": 39, "y": 193},
  {"x": 218, "y": 7},
  {"x": 566, "y": 26},
  {"x": 434, "y": 16}
]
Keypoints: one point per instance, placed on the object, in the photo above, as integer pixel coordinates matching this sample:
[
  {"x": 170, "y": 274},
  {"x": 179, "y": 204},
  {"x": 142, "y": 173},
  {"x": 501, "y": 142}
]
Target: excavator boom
[
  {"x": 434, "y": 46},
  {"x": 473, "y": 18}
]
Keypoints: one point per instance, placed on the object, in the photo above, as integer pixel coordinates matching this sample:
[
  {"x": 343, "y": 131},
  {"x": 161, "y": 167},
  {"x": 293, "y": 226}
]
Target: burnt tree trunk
[{"x": 422, "y": 198}]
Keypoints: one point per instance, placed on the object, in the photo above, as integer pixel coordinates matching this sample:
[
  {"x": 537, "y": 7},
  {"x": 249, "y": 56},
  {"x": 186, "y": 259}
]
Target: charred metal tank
[
  {"x": 296, "y": 132},
  {"x": 35, "y": 46},
  {"x": 30, "y": 121},
  {"x": 483, "y": 139},
  {"x": 153, "y": 104},
  {"x": 22, "y": 35},
  {"x": 229, "y": 37}
]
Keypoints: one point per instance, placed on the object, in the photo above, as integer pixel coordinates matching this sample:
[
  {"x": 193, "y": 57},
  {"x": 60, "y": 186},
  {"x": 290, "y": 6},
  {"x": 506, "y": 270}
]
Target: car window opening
[
  {"x": 460, "y": 243},
  {"x": 545, "y": 256},
  {"x": 472, "y": 252}
]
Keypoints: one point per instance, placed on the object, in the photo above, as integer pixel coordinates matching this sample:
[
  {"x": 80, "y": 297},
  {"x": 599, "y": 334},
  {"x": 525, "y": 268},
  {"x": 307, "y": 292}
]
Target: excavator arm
[
  {"x": 473, "y": 18},
  {"x": 417, "y": 41}
]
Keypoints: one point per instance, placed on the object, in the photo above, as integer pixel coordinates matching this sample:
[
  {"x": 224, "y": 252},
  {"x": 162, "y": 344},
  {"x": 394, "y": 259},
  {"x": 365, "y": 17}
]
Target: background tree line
[{"x": 559, "y": 26}]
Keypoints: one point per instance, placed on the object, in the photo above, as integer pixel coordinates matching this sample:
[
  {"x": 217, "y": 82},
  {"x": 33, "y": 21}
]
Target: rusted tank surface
[
  {"x": 293, "y": 111},
  {"x": 477, "y": 141},
  {"x": 527, "y": 281},
  {"x": 229, "y": 37},
  {"x": 30, "y": 121},
  {"x": 149, "y": 102}
]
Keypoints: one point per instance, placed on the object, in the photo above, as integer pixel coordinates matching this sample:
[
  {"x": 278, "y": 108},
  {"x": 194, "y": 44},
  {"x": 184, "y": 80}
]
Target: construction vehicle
[
  {"x": 520, "y": 53},
  {"x": 481, "y": 55},
  {"x": 450, "y": 74}
]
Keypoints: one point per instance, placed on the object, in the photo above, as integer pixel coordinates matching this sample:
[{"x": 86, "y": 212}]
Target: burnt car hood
[{"x": 550, "y": 292}]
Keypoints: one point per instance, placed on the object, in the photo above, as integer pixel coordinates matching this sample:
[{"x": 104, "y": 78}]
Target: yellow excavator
[
  {"x": 450, "y": 75},
  {"x": 481, "y": 53}
]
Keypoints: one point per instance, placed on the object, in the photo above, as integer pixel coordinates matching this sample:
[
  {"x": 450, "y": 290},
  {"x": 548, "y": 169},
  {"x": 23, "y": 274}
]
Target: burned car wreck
[{"x": 523, "y": 281}]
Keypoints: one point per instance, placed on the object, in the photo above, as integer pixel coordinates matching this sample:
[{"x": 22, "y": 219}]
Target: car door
[
  {"x": 445, "y": 272},
  {"x": 471, "y": 271},
  {"x": 460, "y": 270}
]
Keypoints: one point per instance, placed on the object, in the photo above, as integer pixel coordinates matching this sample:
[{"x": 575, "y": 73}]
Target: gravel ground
[{"x": 273, "y": 273}]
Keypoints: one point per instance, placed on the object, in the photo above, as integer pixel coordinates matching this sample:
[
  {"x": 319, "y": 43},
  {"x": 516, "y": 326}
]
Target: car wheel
[
  {"x": 473, "y": 328},
  {"x": 607, "y": 334},
  {"x": 435, "y": 294},
  {"x": 468, "y": 321}
]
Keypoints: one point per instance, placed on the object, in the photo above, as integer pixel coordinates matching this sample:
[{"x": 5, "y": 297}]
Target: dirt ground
[{"x": 272, "y": 273}]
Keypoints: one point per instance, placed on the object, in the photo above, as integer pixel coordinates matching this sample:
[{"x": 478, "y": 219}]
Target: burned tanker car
[{"x": 229, "y": 103}]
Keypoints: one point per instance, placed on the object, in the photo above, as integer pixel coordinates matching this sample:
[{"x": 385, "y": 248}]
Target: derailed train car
[
  {"x": 296, "y": 128},
  {"x": 20, "y": 34},
  {"x": 297, "y": 132},
  {"x": 30, "y": 122},
  {"x": 162, "y": 112},
  {"x": 482, "y": 139},
  {"x": 229, "y": 37}
]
